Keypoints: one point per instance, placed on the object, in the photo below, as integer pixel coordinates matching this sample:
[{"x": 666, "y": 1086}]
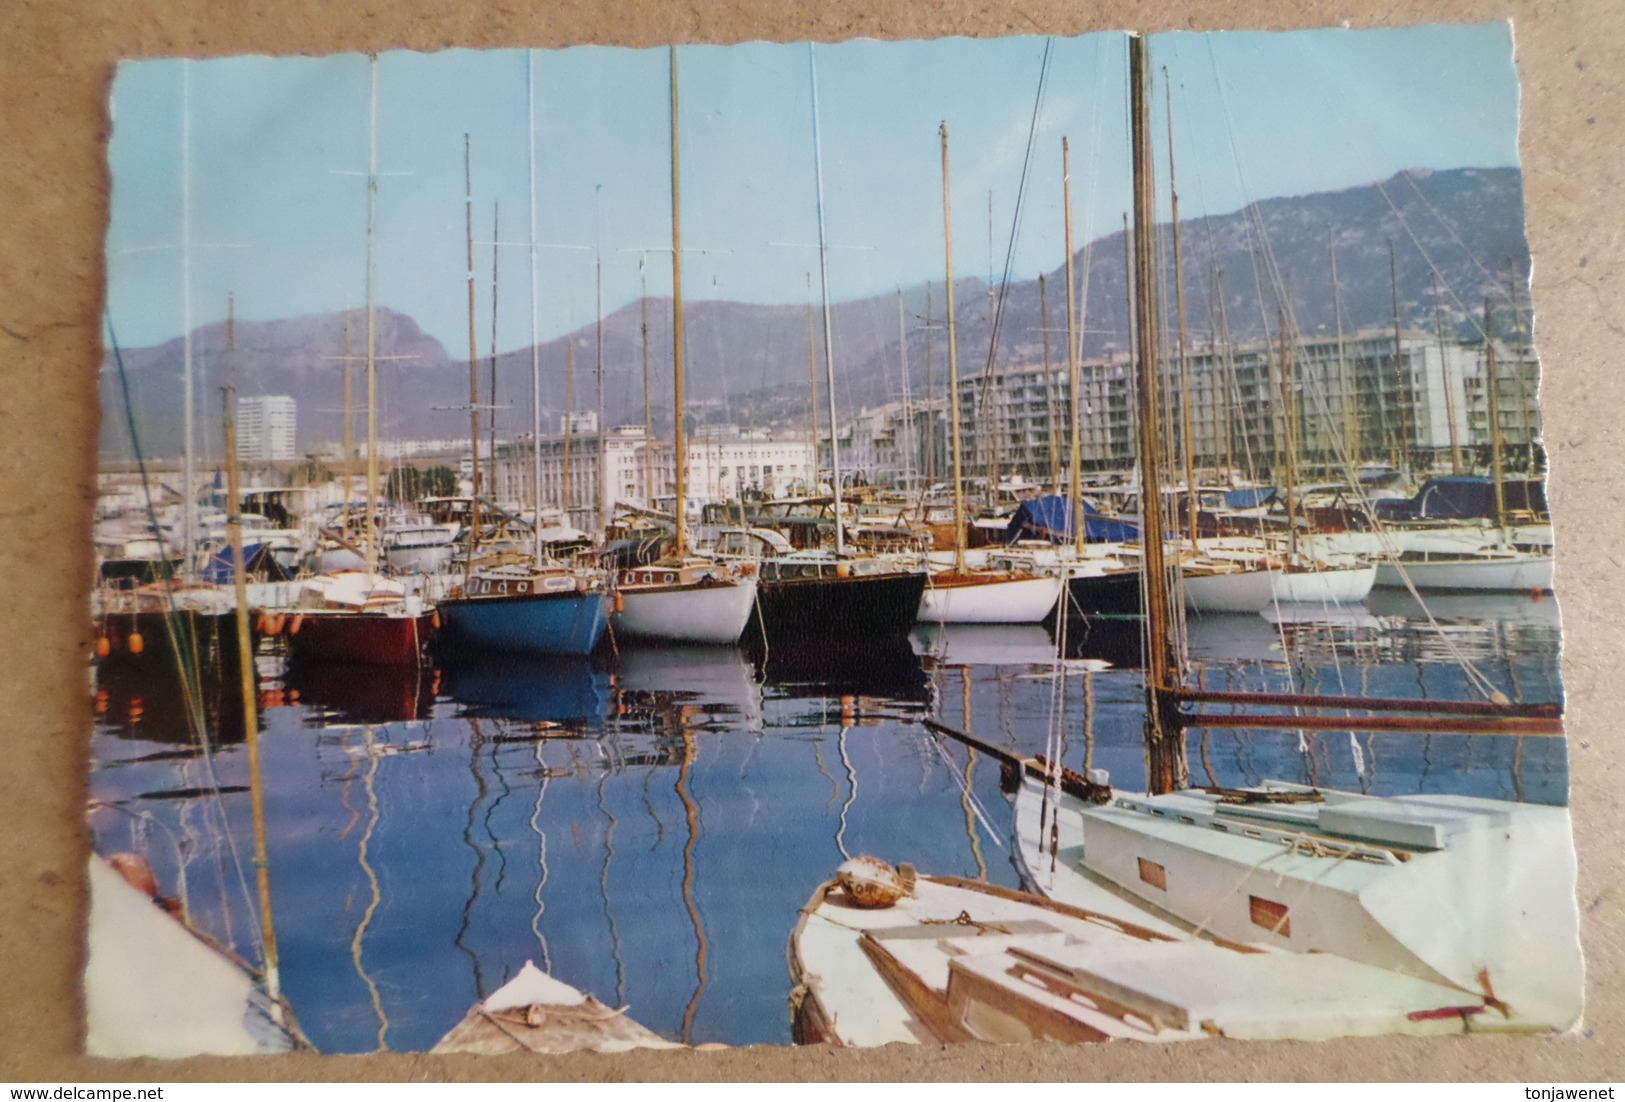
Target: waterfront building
[
  {"x": 1351, "y": 402},
  {"x": 725, "y": 463},
  {"x": 266, "y": 427}
]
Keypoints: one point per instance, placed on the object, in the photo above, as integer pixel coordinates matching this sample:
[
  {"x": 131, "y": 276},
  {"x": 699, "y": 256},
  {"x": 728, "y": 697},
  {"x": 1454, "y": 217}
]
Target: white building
[
  {"x": 1368, "y": 397},
  {"x": 724, "y": 464},
  {"x": 266, "y": 428}
]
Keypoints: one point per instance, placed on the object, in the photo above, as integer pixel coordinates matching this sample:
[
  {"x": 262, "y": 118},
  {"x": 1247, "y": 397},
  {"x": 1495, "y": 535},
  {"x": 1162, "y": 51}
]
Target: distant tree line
[{"x": 407, "y": 483}]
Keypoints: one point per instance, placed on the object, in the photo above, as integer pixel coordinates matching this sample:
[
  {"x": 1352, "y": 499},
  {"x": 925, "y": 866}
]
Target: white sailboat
[
  {"x": 1501, "y": 561},
  {"x": 682, "y": 597},
  {"x": 961, "y": 594}
]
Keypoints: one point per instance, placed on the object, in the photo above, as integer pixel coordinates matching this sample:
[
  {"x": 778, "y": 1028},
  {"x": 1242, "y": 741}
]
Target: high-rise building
[{"x": 265, "y": 428}]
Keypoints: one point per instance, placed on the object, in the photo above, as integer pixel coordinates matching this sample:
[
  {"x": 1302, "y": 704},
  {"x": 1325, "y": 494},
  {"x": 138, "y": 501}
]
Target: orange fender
[
  {"x": 298, "y": 622},
  {"x": 104, "y": 646},
  {"x": 135, "y": 642}
]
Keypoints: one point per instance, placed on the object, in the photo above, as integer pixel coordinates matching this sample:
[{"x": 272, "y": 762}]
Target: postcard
[{"x": 843, "y": 544}]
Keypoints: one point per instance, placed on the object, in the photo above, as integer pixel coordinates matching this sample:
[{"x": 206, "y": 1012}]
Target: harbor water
[{"x": 646, "y": 824}]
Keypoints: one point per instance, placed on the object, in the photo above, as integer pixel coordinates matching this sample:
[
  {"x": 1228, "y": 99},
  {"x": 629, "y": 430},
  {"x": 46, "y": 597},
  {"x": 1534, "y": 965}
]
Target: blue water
[{"x": 646, "y": 825}]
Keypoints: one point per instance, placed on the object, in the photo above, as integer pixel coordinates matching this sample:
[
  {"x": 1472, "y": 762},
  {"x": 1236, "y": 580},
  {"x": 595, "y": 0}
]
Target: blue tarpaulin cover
[
  {"x": 1050, "y": 518},
  {"x": 257, "y": 561},
  {"x": 1248, "y": 497}
]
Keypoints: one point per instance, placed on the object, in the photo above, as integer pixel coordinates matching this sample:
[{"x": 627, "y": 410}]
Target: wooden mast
[
  {"x": 245, "y": 666},
  {"x": 1049, "y": 380},
  {"x": 908, "y": 412},
  {"x": 349, "y": 431},
  {"x": 1493, "y": 385},
  {"x": 1400, "y": 432},
  {"x": 1345, "y": 375},
  {"x": 1074, "y": 380},
  {"x": 930, "y": 397},
  {"x": 648, "y": 411},
  {"x": 1289, "y": 411},
  {"x": 829, "y": 337},
  {"x": 491, "y": 374},
  {"x": 473, "y": 368},
  {"x": 1227, "y": 379},
  {"x": 569, "y": 419},
  {"x": 372, "y": 321},
  {"x": 598, "y": 343},
  {"x": 1179, "y": 298},
  {"x": 680, "y": 482},
  {"x": 953, "y": 363},
  {"x": 1166, "y": 765},
  {"x": 1444, "y": 379},
  {"x": 535, "y": 345}
]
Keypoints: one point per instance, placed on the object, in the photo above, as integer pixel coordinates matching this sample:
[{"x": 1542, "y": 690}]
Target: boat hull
[
  {"x": 1335, "y": 586},
  {"x": 538, "y": 623},
  {"x": 957, "y": 960},
  {"x": 1116, "y": 593},
  {"x": 1505, "y": 574},
  {"x": 1235, "y": 591},
  {"x": 827, "y": 607},
  {"x": 987, "y": 599},
  {"x": 210, "y": 637},
  {"x": 1394, "y": 883},
  {"x": 362, "y": 638},
  {"x": 712, "y": 611}
]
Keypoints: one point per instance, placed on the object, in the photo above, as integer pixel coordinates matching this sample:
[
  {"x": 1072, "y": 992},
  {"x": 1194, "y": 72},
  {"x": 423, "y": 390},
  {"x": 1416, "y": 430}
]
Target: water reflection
[
  {"x": 885, "y": 666},
  {"x": 340, "y": 693},
  {"x": 536, "y": 689},
  {"x": 646, "y": 827},
  {"x": 985, "y": 644}
]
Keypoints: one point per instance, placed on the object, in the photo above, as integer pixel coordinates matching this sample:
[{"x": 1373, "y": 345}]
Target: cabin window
[
  {"x": 1270, "y": 915},
  {"x": 502, "y": 588},
  {"x": 1154, "y": 874},
  {"x": 523, "y": 587}
]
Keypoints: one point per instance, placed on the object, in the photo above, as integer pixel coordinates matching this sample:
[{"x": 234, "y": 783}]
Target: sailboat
[
  {"x": 1499, "y": 565},
  {"x": 1101, "y": 580},
  {"x": 358, "y": 615},
  {"x": 961, "y": 594},
  {"x": 680, "y": 596},
  {"x": 1305, "y": 578},
  {"x": 532, "y": 605},
  {"x": 819, "y": 595}
]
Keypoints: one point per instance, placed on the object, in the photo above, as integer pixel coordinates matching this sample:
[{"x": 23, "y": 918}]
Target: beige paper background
[{"x": 55, "y": 67}]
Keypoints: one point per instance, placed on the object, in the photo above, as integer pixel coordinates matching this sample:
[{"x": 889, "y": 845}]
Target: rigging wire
[
  {"x": 989, "y": 371},
  {"x": 190, "y": 676},
  {"x": 1255, "y": 223}
]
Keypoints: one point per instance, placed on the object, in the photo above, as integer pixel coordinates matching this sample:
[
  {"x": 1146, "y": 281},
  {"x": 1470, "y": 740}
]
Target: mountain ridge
[{"x": 749, "y": 363}]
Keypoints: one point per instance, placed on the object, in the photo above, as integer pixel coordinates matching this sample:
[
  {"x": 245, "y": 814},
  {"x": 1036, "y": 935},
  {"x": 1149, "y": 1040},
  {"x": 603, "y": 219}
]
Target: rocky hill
[{"x": 749, "y": 363}]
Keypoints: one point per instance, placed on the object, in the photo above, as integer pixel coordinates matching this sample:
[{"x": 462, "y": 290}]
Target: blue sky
[{"x": 278, "y": 148}]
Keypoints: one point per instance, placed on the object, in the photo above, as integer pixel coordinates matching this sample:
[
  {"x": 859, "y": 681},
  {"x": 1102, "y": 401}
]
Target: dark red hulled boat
[
  {"x": 365, "y": 637},
  {"x": 354, "y": 617}
]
